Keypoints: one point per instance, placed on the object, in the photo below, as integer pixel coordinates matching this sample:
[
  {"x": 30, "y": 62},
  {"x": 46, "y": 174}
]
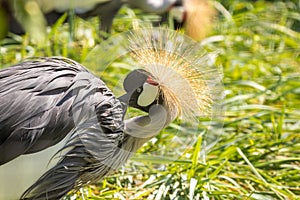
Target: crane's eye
[{"x": 139, "y": 90}]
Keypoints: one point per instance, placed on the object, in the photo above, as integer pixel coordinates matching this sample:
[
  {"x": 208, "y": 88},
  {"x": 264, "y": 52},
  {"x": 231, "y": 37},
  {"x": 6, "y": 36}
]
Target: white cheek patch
[{"x": 148, "y": 95}]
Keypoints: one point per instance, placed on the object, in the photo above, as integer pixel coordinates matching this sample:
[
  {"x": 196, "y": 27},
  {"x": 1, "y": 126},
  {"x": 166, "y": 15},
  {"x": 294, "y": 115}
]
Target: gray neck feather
[{"x": 139, "y": 130}]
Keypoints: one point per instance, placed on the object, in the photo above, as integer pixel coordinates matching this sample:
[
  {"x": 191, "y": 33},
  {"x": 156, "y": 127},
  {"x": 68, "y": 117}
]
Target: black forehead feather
[{"x": 135, "y": 79}]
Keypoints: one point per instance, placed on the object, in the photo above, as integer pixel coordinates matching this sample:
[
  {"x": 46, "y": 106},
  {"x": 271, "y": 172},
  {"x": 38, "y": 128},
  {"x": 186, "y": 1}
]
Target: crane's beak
[
  {"x": 133, "y": 80},
  {"x": 128, "y": 100},
  {"x": 125, "y": 98}
]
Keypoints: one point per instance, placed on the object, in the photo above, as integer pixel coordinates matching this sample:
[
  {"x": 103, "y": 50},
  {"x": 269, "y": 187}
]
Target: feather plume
[{"x": 180, "y": 66}]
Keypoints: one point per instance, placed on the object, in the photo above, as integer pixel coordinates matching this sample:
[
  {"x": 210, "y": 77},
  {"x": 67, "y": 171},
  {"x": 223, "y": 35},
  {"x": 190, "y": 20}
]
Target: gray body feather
[{"x": 43, "y": 101}]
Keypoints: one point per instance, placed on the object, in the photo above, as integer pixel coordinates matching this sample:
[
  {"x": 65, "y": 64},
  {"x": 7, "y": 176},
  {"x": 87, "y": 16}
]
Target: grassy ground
[{"x": 257, "y": 157}]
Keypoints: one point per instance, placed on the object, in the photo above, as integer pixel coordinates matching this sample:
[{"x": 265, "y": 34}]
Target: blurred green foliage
[
  {"x": 257, "y": 157},
  {"x": 3, "y": 24}
]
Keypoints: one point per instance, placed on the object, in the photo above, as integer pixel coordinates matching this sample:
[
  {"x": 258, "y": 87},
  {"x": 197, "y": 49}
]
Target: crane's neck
[{"x": 139, "y": 130}]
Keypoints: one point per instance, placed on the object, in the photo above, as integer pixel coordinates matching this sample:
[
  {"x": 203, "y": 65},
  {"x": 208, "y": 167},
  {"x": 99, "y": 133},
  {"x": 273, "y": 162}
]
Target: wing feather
[
  {"x": 40, "y": 103},
  {"x": 88, "y": 153},
  {"x": 29, "y": 115}
]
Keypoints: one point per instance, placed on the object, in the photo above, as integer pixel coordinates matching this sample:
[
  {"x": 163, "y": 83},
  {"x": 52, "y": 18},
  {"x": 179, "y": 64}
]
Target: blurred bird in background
[
  {"x": 196, "y": 16},
  {"x": 62, "y": 128}
]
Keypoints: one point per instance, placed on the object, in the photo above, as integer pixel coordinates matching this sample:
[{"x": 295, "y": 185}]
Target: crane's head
[
  {"x": 142, "y": 91},
  {"x": 174, "y": 72}
]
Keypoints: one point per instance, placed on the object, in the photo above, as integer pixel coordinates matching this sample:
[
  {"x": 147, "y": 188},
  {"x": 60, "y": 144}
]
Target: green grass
[{"x": 257, "y": 157}]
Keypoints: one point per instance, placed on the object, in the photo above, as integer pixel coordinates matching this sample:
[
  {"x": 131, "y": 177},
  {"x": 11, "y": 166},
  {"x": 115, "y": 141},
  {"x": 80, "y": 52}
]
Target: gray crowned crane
[
  {"x": 195, "y": 15},
  {"x": 62, "y": 128}
]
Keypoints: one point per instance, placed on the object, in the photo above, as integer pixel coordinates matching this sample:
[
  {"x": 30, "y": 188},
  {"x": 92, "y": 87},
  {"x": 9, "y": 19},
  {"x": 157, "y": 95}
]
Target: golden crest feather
[{"x": 180, "y": 66}]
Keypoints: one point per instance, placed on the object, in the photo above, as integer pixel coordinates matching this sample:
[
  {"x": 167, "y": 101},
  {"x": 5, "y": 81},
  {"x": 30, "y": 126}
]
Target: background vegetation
[{"x": 257, "y": 157}]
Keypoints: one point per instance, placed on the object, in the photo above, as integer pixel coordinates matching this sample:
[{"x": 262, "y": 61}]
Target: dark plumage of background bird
[
  {"x": 62, "y": 128},
  {"x": 195, "y": 15}
]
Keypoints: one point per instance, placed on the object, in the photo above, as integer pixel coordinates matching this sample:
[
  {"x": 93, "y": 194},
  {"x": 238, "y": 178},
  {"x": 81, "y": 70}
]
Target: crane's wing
[
  {"x": 40, "y": 103},
  {"x": 90, "y": 153},
  {"x": 30, "y": 117},
  {"x": 37, "y": 101}
]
